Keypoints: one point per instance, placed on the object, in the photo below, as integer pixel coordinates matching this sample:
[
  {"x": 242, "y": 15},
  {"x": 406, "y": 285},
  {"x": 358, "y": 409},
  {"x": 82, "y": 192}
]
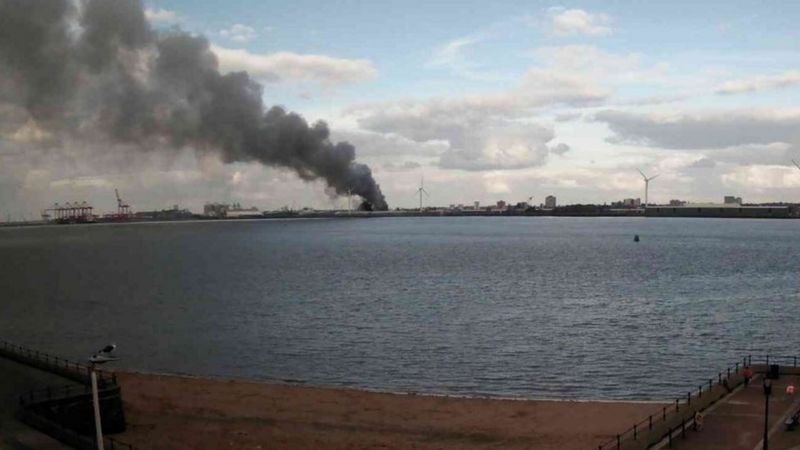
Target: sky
[{"x": 486, "y": 101}]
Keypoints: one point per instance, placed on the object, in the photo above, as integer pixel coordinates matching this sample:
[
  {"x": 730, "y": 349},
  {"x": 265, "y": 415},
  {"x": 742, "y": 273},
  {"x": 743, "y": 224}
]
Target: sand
[{"x": 175, "y": 412}]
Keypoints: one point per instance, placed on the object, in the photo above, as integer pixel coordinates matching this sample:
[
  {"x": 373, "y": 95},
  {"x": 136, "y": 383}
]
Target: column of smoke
[{"x": 95, "y": 71}]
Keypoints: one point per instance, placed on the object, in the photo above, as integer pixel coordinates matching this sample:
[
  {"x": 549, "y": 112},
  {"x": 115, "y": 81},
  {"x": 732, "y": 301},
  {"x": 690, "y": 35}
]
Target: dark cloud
[
  {"x": 560, "y": 148},
  {"x": 102, "y": 74}
]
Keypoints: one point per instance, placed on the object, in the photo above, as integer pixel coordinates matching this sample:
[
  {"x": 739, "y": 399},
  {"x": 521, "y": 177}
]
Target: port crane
[{"x": 123, "y": 209}]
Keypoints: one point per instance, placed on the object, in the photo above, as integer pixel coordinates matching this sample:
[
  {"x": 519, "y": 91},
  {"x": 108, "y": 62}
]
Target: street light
[
  {"x": 103, "y": 356},
  {"x": 767, "y": 392}
]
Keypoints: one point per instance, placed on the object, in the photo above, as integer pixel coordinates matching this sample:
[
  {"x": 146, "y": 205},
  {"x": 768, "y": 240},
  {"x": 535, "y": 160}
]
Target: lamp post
[
  {"x": 767, "y": 392},
  {"x": 103, "y": 356}
]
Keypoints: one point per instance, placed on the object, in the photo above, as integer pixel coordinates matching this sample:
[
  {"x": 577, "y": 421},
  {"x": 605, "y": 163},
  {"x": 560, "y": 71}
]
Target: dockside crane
[{"x": 123, "y": 209}]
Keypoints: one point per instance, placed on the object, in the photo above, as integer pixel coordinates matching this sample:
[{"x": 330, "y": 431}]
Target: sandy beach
[{"x": 176, "y": 412}]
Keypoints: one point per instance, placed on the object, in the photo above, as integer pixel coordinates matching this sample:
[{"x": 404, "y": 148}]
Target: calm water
[{"x": 529, "y": 307}]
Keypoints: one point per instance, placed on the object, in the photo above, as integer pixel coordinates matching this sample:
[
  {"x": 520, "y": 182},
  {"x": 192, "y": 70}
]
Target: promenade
[
  {"x": 737, "y": 422},
  {"x": 16, "y": 379}
]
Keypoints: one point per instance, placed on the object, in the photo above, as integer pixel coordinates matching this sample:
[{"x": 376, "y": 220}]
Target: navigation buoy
[{"x": 636, "y": 238}]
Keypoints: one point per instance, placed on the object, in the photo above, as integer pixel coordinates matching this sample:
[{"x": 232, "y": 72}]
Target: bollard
[
  {"x": 729, "y": 372},
  {"x": 700, "y": 391},
  {"x": 710, "y": 381},
  {"x": 664, "y": 413},
  {"x": 719, "y": 378},
  {"x": 683, "y": 427},
  {"x": 634, "y": 432},
  {"x": 676, "y": 405},
  {"x": 650, "y": 425},
  {"x": 688, "y": 398}
]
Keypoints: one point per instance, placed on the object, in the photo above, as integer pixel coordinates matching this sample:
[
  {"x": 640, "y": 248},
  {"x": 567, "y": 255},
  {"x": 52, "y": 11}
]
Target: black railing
[
  {"x": 677, "y": 416},
  {"x": 51, "y": 363},
  {"x": 70, "y": 436},
  {"x": 781, "y": 360},
  {"x": 69, "y": 369},
  {"x": 53, "y": 393}
]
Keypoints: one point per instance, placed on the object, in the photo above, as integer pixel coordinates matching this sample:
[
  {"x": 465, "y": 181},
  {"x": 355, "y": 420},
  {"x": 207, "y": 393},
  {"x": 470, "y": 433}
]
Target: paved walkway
[
  {"x": 16, "y": 378},
  {"x": 737, "y": 423}
]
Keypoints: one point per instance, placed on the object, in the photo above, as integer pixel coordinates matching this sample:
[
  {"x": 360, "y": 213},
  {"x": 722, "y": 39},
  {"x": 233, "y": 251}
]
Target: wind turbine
[
  {"x": 646, "y": 184},
  {"x": 421, "y": 191}
]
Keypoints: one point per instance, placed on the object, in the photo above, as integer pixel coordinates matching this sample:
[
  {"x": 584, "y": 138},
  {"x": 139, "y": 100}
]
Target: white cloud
[
  {"x": 286, "y": 66},
  {"x": 760, "y": 83},
  {"x": 163, "y": 16},
  {"x": 569, "y": 22},
  {"x": 711, "y": 130},
  {"x": 454, "y": 56},
  {"x": 496, "y": 183},
  {"x": 388, "y": 145},
  {"x": 762, "y": 177},
  {"x": 451, "y": 53},
  {"x": 239, "y": 33},
  {"x": 499, "y": 130}
]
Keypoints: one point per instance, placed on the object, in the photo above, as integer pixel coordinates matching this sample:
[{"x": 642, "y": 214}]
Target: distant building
[
  {"x": 176, "y": 213},
  {"x": 234, "y": 210},
  {"x": 241, "y": 213},
  {"x": 731, "y": 200},
  {"x": 631, "y": 203},
  {"x": 723, "y": 210},
  {"x": 550, "y": 201},
  {"x": 676, "y": 203},
  {"x": 215, "y": 209},
  {"x": 477, "y": 205},
  {"x": 501, "y": 205}
]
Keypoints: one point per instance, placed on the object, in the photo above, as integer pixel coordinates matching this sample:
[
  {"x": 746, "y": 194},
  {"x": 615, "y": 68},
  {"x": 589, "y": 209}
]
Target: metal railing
[
  {"x": 69, "y": 369},
  {"x": 70, "y": 436},
  {"x": 54, "y": 364},
  {"x": 781, "y": 360},
  {"x": 53, "y": 393},
  {"x": 676, "y": 417}
]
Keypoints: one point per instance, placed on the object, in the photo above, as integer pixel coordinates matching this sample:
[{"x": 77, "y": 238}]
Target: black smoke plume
[{"x": 95, "y": 70}]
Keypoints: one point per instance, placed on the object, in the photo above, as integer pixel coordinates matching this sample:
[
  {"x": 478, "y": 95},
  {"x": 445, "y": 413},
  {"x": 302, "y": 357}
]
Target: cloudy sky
[{"x": 486, "y": 100}]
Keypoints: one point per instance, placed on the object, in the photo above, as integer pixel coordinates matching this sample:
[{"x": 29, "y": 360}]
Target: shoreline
[
  {"x": 381, "y": 214},
  {"x": 185, "y": 411},
  {"x": 304, "y": 384}
]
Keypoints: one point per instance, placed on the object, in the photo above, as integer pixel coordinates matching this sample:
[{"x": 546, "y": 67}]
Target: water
[{"x": 523, "y": 307}]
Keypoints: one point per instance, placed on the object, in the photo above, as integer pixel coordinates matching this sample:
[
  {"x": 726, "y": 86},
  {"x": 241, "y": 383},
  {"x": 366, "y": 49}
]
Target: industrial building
[
  {"x": 730, "y": 210},
  {"x": 732, "y": 200},
  {"x": 550, "y": 202},
  {"x": 233, "y": 211}
]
